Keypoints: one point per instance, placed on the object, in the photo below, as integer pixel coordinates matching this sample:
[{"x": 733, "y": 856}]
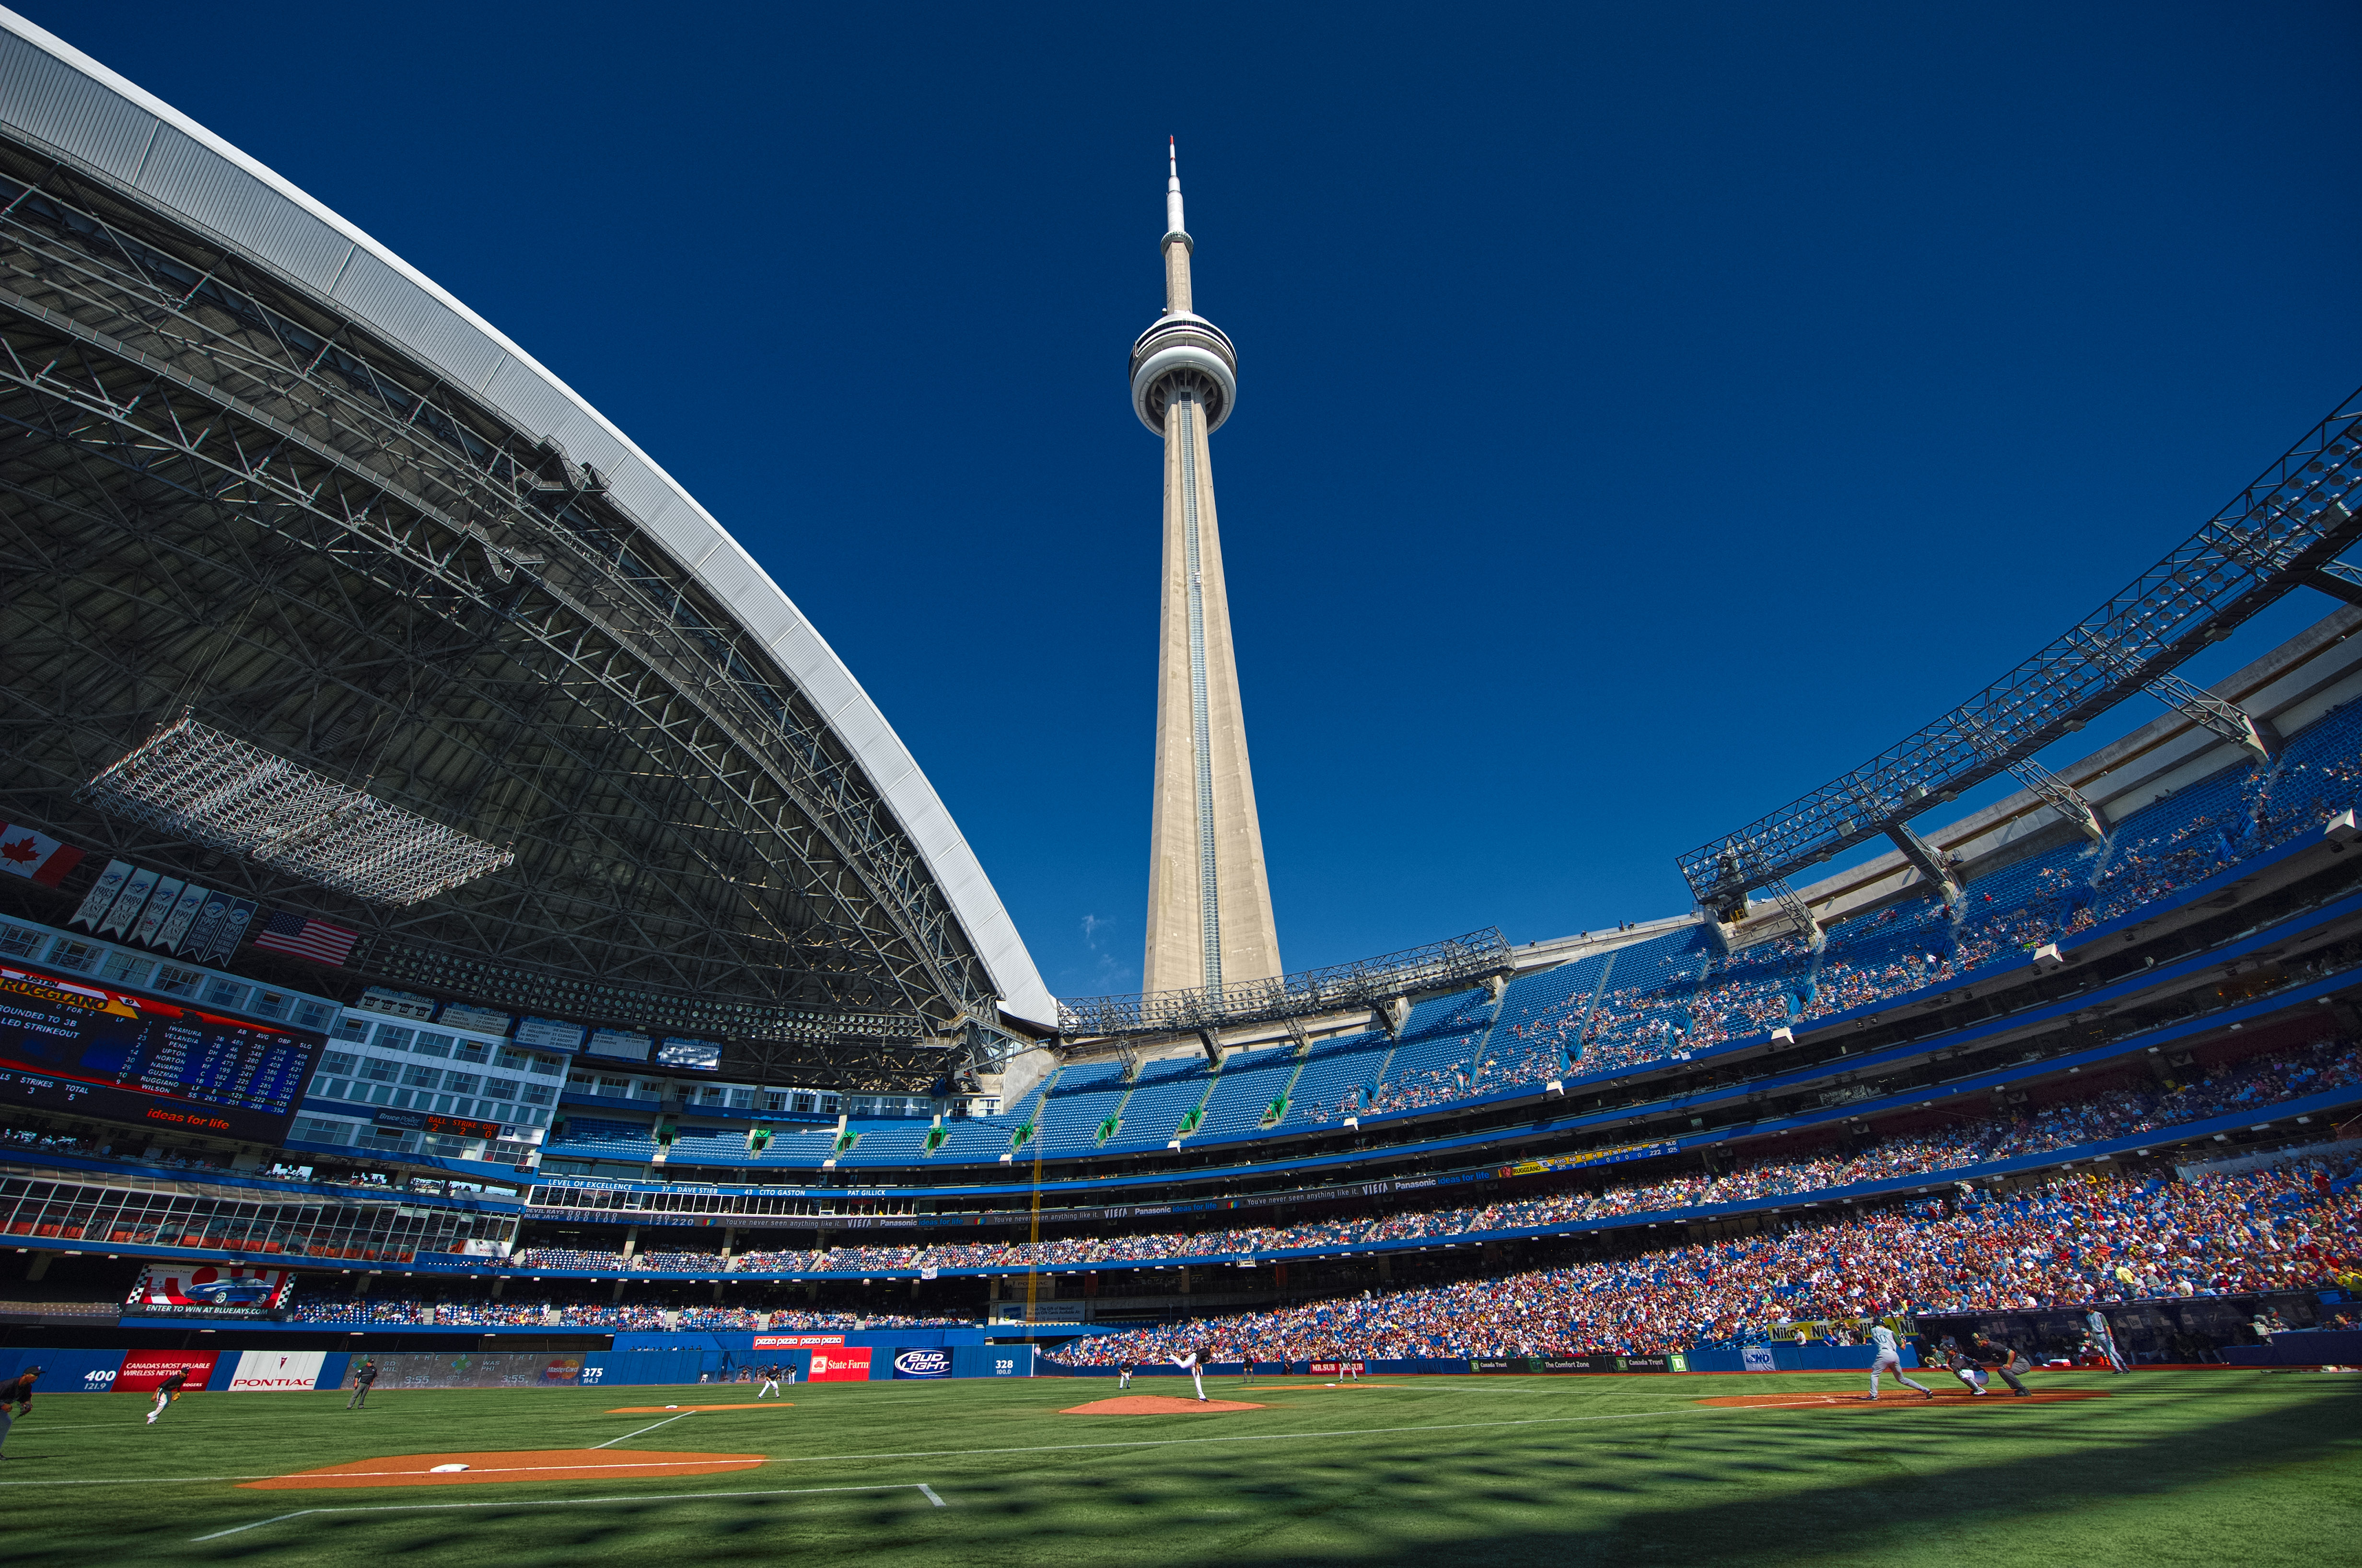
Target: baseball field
[{"x": 2149, "y": 1469}]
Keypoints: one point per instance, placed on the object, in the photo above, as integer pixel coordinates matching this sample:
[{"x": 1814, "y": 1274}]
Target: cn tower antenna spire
[{"x": 1173, "y": 224}]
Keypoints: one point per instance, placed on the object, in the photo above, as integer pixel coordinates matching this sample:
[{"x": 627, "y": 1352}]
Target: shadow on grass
[{"x": 2215, "y": 1479}]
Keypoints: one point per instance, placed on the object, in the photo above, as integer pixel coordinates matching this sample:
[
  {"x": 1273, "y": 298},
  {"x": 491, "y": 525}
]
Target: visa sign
[{"x": 923, "y": 1363}]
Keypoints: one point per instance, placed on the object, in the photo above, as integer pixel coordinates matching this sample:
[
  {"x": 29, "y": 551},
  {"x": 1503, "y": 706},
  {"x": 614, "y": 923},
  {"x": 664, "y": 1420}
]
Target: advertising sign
[
  {"x": 69, "y": 1045},
  {"x": 841, "y": 1366},
  {"x": 1334, "y": 1368},
  {"x": 427, "y": 1122},
  {"x": 920, "y": 1364},
  {"x": 143, "y": 1370},
  {"x": 565, "y": 1371},
  {"x": 207, "y": 1290},
  {"x": 796, "y": 1341},
  {"x": 1495, "y": 1364},
  {"x": 276, "y": 1372},
  {"x": 1755, "y": 1358}
]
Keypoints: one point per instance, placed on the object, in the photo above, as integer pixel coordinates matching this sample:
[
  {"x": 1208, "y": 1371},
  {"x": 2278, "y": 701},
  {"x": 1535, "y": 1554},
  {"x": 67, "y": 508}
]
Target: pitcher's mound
[
  {"x": 1855, "y": 1401},
  {"x": 531, "y": 1464},
  {"x": 1154, "y": 1405}
]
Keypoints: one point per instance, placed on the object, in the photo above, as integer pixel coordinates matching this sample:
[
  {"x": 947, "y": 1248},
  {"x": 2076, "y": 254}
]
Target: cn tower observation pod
[{"x": 274, "y": 477}]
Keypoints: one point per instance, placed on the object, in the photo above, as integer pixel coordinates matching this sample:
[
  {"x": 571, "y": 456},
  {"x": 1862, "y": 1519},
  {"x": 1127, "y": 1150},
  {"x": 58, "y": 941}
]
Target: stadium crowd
[
  {"x": 2255, "y": 1081},
  {"x": 414, "y": 1311},
  {"x": 2079, "y": 1238},
  {"x": 1698, "y": 999}
]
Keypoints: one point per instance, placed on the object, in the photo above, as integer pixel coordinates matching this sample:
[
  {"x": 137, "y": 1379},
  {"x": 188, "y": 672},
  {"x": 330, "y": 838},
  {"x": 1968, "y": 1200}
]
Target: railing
[
  {"x": 1439, "y": 965},
  {"x": 2275, "y": 536}
]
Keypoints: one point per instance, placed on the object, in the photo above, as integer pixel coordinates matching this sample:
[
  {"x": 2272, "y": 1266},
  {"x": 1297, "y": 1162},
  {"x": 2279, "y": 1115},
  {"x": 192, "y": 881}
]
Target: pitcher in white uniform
[{"x": 1190, "y": 1362}]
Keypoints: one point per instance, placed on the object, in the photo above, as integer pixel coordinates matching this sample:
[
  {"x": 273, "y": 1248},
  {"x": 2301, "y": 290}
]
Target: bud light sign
[{"x": 923, "y": 1363}]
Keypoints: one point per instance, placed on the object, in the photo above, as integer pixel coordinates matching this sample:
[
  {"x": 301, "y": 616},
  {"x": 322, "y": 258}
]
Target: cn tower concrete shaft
[{"x": 1209, "y": 920}]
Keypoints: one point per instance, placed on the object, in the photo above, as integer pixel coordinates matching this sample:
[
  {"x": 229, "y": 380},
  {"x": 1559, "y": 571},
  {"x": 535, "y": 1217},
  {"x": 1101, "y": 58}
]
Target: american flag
[{"x": 307, "y": 938}]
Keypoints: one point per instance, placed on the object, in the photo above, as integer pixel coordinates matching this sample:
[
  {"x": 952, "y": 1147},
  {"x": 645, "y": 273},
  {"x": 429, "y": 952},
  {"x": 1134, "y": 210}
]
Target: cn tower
[{"x": 1209, "y": 922}]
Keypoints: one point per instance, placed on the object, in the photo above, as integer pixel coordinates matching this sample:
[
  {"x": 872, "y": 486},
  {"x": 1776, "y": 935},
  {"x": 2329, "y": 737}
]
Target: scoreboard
[{"x": 67, "y": 1044}]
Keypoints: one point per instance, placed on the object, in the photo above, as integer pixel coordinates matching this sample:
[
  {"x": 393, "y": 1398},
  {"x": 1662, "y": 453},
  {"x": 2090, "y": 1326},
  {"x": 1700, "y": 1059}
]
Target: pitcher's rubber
[
  {"x": 529, "y": 1465},
  {"x": 1155, "y": 1404}
]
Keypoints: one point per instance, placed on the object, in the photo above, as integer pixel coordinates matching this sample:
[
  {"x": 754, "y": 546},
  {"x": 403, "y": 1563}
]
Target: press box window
[
  {"x": 126, "y": 968},
  {"x": 18, "y": 942},
  {"x": 68, "y": 953},
  {"x": 431, "y": 1045}
]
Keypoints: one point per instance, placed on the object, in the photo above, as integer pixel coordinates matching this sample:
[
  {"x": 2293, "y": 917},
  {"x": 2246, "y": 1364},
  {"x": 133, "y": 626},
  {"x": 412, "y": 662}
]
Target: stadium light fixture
[{"x": 193, "y": 783}]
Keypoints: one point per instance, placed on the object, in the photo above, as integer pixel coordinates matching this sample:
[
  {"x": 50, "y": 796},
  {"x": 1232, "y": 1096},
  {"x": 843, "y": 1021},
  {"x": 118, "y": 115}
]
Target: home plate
[
  {"x": 528, "y": 1464},
  {"x": 1155, "y": 1404}
]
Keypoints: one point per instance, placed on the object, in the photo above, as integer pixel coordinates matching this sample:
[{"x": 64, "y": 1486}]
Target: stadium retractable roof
[{"x": 255, "y": 469}]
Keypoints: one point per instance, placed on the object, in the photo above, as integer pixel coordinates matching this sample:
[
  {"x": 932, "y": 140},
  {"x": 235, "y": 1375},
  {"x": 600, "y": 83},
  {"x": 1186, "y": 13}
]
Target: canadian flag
[{"x": 28, "y": 853}]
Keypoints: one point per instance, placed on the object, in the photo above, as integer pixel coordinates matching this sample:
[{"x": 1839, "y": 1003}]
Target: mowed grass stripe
[{"x": 1437, "y": 1475}]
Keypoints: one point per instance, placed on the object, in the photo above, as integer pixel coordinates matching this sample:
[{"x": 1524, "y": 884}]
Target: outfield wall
[{"x": 69, "y": 1371}]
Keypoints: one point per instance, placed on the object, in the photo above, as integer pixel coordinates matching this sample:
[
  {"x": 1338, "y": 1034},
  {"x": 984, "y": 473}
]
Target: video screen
[{"x": 67, "y": 1044}]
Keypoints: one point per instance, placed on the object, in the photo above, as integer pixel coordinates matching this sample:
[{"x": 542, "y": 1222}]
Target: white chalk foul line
[
  {"x": 569, "y": 1503},
  {"x": 629, "y": 1436}
]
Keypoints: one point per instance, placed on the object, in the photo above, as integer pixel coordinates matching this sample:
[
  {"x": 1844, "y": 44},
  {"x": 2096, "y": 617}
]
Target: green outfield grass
[{"x": 2200, "y": 1467}]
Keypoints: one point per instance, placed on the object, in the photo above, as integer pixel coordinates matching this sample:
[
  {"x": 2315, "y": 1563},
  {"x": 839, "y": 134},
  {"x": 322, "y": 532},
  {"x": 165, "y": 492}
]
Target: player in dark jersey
[
  {"x": 16, "y": 1391},
  {"x": 168, "y": 1391},
  {"x": 1999, "y": 1358},
  {"x": 362, "y": 1378}
]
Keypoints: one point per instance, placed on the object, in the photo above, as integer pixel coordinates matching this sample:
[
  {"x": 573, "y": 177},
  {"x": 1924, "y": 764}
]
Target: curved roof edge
[{"x": 53, "y": 92}]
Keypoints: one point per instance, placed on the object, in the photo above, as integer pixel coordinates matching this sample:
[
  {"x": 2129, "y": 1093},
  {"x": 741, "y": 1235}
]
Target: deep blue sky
[{"x": 1645, "y": 412}]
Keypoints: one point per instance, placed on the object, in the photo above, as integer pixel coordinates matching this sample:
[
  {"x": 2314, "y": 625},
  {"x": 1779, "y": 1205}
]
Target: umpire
[
  {"x": 2000, "y": 1359},
  {"x": 362, "y": 1378}
]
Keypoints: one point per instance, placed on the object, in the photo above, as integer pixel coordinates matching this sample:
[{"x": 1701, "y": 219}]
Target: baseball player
[
  {"x": 771, "y": 1382},
  {"x": 1192, "y": 1362},
  {"x": 16, "y": 1391},
  {"x": 2103, "y": 1339},
  {"x": 1890, "y": 1359},
  {"x": 168, "y": 1391}
]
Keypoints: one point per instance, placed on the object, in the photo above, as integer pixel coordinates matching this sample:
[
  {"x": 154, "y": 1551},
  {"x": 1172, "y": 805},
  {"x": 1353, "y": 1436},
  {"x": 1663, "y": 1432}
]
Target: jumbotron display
[{"x": 69, "y": 1045}]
